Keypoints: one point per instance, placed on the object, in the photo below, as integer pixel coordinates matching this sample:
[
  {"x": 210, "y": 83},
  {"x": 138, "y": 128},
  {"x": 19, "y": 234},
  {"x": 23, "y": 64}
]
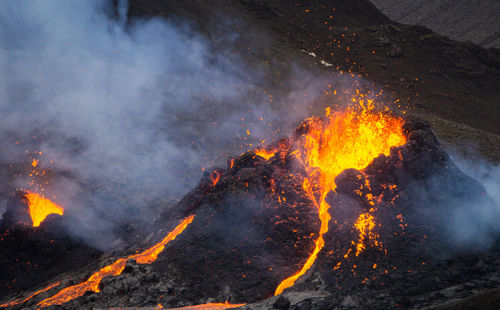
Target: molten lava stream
[
  {"x": 348, "y": 139},
  {"x": 40, "y": 207},
  {"x": 22, "y": 301},
  {"x": 210, "y": 306},
  {"x": 92, "y": 284}
]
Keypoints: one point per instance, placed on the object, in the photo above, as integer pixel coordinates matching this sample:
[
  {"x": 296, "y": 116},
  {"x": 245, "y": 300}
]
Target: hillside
[
  {"x": 452, "y": 84},
  {"x": 475, "y": 21}
]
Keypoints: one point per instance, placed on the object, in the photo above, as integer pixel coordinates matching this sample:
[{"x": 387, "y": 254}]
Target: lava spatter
[
  {"x": 40, "y": 207},
  {"x": 343, "y": 140}
]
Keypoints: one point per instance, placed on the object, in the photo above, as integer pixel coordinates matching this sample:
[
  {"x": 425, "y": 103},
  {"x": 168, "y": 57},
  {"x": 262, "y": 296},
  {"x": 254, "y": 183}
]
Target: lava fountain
[
  {"x": 347, "y": 139},
  {"x": 40, "y": 207}
]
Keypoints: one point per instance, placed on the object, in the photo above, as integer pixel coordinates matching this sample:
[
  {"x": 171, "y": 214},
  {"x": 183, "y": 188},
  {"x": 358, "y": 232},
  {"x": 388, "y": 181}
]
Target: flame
[
  {"x": 92, "y": 284},
  {"x": 40, "y": 207},
  {"x": 346, "y": 139},
  {"x": 22, "y": 301}
]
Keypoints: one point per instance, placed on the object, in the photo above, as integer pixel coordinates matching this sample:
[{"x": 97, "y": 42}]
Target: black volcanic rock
[
  {"x": 417, "y": 190},
  {"x": 31, "y": 255},
  {"x": 453, "y": 84},
  {"x": 254, "y": 227}
]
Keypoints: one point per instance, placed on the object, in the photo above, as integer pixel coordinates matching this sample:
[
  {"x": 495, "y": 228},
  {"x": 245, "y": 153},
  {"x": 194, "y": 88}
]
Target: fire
[
  {"x": 346, "y": 139},
  {"x": 40, "y": 207},
  {"x": 92, "y": 284}
]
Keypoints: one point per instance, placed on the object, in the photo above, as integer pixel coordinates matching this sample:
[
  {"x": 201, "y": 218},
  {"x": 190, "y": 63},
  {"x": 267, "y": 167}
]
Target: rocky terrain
[
  {"x": 239, "y": 231},
  {"x": 451, "y": 86},
  {"x": 475, "y": 21}
]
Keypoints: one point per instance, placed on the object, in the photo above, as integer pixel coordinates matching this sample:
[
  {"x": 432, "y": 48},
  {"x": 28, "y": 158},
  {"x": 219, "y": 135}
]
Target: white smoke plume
[
  {"x": 126, "y": 112},
  {"x": 476, "y": 223}
]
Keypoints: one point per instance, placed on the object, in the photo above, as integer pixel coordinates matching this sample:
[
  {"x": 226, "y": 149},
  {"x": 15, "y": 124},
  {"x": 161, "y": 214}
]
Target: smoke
[
  {"x": 125, "y": 113},
  {"x": 475, "y": 222}
]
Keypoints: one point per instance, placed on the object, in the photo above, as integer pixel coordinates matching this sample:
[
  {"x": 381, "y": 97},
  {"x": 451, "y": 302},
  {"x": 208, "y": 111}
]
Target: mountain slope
[{"x": 476, "y": 21}]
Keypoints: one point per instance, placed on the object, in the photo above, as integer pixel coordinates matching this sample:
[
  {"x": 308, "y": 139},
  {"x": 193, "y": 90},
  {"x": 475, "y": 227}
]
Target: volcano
[
  {"x": 343, "y": 207},
  {"x": 358, "y": 207}
]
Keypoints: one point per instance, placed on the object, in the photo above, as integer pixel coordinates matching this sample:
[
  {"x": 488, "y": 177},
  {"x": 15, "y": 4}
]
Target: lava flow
[
  {"x": 92, "y": 284},
  {"x": 40, "y": 207},
  {"x": 211, "y": 306},
  {"x": 21, "y": 301},
  {"x": 343, "y": 140}
]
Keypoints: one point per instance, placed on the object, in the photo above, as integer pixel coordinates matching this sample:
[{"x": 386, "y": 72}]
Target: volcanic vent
[{"x": 338, "y": 207}]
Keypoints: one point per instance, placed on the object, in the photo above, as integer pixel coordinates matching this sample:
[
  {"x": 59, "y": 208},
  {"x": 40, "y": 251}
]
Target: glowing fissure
[
  {"x": 92, "y": 284},
  {"x": 40, "y": 207},
  {"x": 347, "y": 139}
]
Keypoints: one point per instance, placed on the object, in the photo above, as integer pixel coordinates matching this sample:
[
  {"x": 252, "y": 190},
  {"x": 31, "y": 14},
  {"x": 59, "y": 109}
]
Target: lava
[
  {"x": 40, "y": 207},
  {"x": 211, "y": 306},
  {"x": 265, "y": 153},
  {"x": 215, "y": 177},
  {"x": 364, "y": 225},
  {"x": 22, "y": 301},
  {"x": 92, "y": 284},
  {"x": 347, "y": 139}
]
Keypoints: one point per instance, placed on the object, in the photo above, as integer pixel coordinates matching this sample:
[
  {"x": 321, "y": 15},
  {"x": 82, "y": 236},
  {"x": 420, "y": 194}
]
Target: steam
[
  {"x": 475, "y": 223},
  {"x": 127, "y": 113}
]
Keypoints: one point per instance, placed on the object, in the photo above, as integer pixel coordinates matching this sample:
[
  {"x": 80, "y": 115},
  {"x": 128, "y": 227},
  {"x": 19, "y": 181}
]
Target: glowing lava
[
  {"x": 92, "y": 284},
  {"x": 40, "y": 207},
  {"x": 211, "y": 306},
  {"x": 22, "y": 301},
  {"x": 364, "y": 225},
  {"x": 265, "y": 153},
  {"x": 343, "y": 140}
]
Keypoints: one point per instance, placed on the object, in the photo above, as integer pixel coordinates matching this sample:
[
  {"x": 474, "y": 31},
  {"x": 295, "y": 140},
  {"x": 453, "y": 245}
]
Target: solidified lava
[{"x": 254, "y": 228}]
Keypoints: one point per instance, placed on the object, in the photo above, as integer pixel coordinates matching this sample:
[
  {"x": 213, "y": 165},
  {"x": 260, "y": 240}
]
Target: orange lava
[
  {"x": 22, "y": 301},
  {"x": 92, "y": 284},
  {"x": 266, "y": 154},
  {"x": 364, "y": 224},
  {"x": 215, "y": 177},
  {"x": 211, "y": 306},
  {"x": 343, "y": 140},
  {"x": 40, "y": 207}
]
